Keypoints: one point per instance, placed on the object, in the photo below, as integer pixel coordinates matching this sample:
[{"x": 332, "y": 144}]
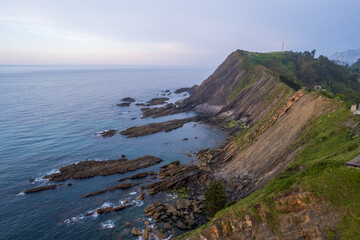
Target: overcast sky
[{"x": 169, "y": 32}]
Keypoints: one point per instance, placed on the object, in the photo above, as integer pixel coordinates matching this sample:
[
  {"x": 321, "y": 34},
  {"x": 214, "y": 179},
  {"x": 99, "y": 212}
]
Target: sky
[{"x": 169, "y": 32}]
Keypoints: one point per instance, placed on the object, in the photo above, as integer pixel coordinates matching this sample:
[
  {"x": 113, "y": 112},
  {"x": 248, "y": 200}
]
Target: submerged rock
[
  {"x": 136, "y": 176},
  {"x": 125, "y": 104},
  {"x": 92, "y": 168},
  {"x": 109, "y": 133},
  {"x": 169, "y": 109},
  {"x": 39, "y": 189},
  {"x": 109, "y": 209},
  {"x": 158, "y": 127},
  {"x": 157, "y": 101},
  {"x": 128, "y": 99},
  {"x": 120, "y": 186}
]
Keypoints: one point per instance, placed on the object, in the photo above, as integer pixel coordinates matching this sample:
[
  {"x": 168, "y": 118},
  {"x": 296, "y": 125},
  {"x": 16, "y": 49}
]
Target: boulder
[
  {"x": 135, "y": 231},
  {"x": 145, "y": 234},
  {"x": 180, "y": 225}
]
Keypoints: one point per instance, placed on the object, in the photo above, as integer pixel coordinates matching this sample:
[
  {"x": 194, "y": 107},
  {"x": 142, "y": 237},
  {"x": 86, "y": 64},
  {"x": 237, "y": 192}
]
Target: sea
[{"x": 50, "y": 116}]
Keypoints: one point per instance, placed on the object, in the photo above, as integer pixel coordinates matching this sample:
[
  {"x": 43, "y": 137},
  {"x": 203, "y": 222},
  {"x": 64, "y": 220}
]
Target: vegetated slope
[
  {"x": 295, "y": 149},
  {"x": 315, "y": 197},
  {"x": 356, "y": 66}
]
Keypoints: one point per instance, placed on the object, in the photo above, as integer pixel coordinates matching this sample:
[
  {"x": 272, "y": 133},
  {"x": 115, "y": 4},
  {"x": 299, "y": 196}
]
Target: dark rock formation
[
  {"x": 189, "y": 90},
  {"x": 128, "y": 99},
  {"x": 153, "y": 102},
  {"x": 157, "y": 101},
  {"x": 109, "y": 209},
  {"x": 158, "y": 127},
  {"x": 175, "y": 176},
  {"x": 120, "y": 186},
  {"x": 93, "y": 168},
  {"x": 136, "y": 176},
  {"x": 184, "y": 214},
  {"x": 125, "y": 104},
  {"x": 109, "y": 133},
  {"x": 39, "y": 189},
  {"x": 169, "y": 109}
]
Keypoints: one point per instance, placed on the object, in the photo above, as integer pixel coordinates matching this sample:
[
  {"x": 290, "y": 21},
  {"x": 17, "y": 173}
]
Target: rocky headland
[{"x": 282, "y": 167}]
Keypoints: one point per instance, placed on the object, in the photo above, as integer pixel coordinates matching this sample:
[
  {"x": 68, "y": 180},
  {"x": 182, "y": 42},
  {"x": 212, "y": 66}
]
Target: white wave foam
[
  {"x": 54, "y": 171},
  {"x": 20, "y": 194},
  {"x": 78, "y": 218},
  {"x": 137, "y": 203},
  {"x": 105, "y": 205},
  {"x": 173, "y": 196},
  {"x": 132, "y": 193},
  {"x": 108, "y": 224}
]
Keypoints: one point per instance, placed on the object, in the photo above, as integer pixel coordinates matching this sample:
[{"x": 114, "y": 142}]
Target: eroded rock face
[
  {"x": 182, "y": 214},
  {"x": 301, "y": 218},
  {"x": 93, "y": 168},
  {"x": 175, "y": 176},
  {"x": 158, "y": 127}
]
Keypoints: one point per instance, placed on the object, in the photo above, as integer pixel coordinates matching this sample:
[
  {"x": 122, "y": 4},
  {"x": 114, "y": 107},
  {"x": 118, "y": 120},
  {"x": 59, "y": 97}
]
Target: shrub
[{"x": 215, "y": 198}]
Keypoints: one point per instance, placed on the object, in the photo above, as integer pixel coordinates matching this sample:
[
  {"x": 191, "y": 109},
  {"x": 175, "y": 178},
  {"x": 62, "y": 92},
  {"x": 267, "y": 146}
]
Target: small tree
[{"x": 215, "y": 198}]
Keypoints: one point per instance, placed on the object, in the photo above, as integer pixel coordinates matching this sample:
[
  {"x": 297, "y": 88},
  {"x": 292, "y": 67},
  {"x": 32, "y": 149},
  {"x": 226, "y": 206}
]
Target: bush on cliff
[{"x": 215, "y": 198}]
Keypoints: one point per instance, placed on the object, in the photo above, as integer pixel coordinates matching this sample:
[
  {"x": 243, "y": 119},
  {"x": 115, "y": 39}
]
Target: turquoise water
[{"x": 49, "y": 118}]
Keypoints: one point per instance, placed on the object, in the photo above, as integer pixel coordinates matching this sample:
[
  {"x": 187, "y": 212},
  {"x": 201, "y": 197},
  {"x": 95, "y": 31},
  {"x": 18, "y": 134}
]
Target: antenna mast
[{"x": 282, "y": 46}]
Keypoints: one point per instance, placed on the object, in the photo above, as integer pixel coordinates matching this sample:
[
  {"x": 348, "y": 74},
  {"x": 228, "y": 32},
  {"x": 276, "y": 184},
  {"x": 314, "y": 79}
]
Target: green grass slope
[{"x": 319, "y": 168}]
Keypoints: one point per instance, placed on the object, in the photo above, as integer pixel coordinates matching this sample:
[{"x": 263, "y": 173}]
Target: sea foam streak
[{"x": 108, "y": 224}]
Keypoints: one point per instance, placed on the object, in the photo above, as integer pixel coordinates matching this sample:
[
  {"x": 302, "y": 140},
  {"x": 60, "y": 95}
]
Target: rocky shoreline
[{"x": 170, "y": 218}]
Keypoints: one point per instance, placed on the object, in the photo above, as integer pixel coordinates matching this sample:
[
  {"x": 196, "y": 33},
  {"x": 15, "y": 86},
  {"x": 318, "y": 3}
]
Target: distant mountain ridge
[{"x": 350, "y": 56}]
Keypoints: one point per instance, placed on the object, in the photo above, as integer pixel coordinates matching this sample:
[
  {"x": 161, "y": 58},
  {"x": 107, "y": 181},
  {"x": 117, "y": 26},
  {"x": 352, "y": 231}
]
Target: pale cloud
[{"x": 169, "y": 32}]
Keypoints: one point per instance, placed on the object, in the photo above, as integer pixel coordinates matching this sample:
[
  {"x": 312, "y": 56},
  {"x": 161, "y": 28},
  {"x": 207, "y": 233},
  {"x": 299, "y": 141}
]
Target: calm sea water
[{"x": 48, "y": 118}]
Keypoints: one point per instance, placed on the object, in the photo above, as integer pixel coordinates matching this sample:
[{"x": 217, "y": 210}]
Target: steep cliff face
[
  {"x": 301, "y": 217},
  {"x": 272, "y": 150},
  {"x": 244, "y": 94},
  {"x": 288, "y": 162}
]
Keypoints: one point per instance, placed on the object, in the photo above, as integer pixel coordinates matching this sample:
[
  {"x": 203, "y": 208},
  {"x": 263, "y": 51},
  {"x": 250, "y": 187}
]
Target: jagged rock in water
[
  {"x": 136, "y": 176},
  {"x": 120, "y": 186},
  {"x": 92, "y": 168},
  {"x": 39, "y": 189},
  {"x": 135, "y": 231},
  {"x": 109, "y": 133},
  {"x": 158, "y": 127}
]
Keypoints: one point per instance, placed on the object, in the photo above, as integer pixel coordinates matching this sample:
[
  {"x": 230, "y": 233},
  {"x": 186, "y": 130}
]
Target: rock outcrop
[
  {"x": 39, "y": 189},
  {"x": 174, "y": 176},
  {"x": 301, "y": 217},
  {"x": 120, "y": 186},
  {"x": 93, "y": 168},
  {"x": 158, "y": 127}
]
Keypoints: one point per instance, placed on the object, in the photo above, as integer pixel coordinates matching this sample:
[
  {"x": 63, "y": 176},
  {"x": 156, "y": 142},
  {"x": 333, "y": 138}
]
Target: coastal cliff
[{"x": 286, "y": 167}]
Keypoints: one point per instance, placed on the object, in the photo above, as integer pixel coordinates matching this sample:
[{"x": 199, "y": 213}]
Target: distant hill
[{"x": 350, "y": 56}]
